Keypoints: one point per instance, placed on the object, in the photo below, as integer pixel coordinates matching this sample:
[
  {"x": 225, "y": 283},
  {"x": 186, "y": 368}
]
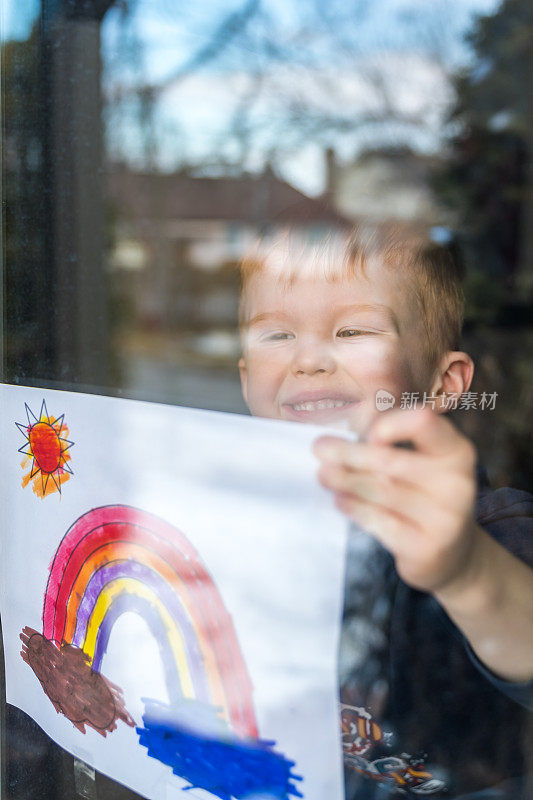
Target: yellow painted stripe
[
  {"x": 117, "y": 551},
  {"x": 114, "y": 589}
]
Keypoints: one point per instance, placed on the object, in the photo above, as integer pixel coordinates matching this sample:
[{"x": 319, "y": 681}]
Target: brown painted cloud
[{"x": 84, "y": 696}]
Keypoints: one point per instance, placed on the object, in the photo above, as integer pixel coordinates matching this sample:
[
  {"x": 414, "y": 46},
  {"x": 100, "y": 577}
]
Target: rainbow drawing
[{"x": 118, "y": 558}]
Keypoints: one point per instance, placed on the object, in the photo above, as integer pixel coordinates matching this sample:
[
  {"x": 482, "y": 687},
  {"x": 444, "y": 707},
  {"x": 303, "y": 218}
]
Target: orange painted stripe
[{"x": 129, "y": 551}]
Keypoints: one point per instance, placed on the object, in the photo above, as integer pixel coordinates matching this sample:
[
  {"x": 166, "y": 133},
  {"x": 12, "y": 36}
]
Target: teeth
[{"x": 319, "y": 405}]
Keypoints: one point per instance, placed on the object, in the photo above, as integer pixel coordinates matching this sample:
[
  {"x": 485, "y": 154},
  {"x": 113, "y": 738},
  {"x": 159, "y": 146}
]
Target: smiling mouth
[{"x": 319, "y": 405}]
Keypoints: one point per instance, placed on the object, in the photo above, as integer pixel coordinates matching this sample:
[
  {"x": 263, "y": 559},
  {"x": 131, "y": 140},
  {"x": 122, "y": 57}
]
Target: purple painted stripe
[
  {"x": 168, "y": 597},
  {"x": 141, "y": 606}
]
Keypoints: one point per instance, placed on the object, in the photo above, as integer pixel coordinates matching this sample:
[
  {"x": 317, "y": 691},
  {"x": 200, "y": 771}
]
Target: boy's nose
[{"x": 313, "y": 357}]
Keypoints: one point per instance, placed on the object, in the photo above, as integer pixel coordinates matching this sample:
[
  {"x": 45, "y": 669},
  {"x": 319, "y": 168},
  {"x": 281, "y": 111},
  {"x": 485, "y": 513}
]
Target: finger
[
  {"x": 390, "y": 529},
  {"x": 430, "y": 433},
  {"x": 411, "y": 466},
  {"x": 396, "y": 496},
  {"x": 362, "y": 417}
]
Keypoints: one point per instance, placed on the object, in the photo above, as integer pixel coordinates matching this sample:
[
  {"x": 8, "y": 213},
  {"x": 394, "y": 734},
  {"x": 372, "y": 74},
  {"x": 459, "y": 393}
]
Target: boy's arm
[
  {"x": 494, "y": 610},
  {"x": 420, "y": 505}
]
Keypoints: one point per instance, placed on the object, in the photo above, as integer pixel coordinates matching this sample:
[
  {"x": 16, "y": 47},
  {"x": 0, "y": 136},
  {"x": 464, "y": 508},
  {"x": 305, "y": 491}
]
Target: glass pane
[{"x": 148, "y": 145}]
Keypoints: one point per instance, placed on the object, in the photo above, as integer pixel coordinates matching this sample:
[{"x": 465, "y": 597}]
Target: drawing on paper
[
  {"x": 77, "y": 691},
  {"x": 118, "y": 559},
  {"x": 46, "y": 451}
]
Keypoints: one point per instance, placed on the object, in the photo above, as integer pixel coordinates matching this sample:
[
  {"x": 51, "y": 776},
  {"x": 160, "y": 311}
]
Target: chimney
[{"x": 331, "y": 171}]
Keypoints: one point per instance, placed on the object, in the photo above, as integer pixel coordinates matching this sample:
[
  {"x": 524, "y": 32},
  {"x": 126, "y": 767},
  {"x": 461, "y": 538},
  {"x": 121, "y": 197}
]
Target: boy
[{"x": 437, "y": 650}]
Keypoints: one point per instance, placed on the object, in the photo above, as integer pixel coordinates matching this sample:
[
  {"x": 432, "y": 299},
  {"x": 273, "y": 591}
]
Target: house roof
[{"x": 259, "y": 200}]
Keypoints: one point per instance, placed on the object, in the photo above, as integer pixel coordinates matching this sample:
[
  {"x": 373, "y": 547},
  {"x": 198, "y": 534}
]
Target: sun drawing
[{"x": 46, "y": 451}]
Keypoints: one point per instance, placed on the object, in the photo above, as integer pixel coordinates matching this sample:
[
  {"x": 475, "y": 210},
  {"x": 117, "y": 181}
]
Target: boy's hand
[{"x": 418, "y": 503}]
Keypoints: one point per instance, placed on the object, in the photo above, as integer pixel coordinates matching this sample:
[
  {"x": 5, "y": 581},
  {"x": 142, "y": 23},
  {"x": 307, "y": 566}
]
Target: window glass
[{"x": 147, "y": 145}]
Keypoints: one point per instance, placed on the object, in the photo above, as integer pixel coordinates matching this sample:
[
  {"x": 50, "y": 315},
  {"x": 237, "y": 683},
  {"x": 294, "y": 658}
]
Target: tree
[
  {"x": 337, "y": 74},
  {"x": 488, "y": 177}
]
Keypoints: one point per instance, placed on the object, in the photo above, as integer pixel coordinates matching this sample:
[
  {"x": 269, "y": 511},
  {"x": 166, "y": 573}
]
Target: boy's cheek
[
  {"x": 259, "y": 389},
  {"x": 381, "y": 362},
  {"x": 394, "y": 374},
  {"x": 243, "y": 373}
]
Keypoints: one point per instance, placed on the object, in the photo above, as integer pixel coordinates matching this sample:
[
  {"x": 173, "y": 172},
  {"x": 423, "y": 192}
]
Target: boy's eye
[
  {"x": 277, "y": 336},
  {"x": 348, "y": 332}
]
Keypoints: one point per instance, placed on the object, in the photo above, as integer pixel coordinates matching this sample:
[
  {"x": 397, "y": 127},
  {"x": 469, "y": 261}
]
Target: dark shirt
[{"x": 421, "y": 714}]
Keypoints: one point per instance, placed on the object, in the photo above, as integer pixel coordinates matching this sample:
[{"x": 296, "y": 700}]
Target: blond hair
[{"x": 433, "y": 275}]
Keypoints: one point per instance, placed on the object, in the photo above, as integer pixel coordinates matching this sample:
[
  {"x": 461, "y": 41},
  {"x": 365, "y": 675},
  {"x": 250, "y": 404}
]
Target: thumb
[{"x": 362, "y": 419}]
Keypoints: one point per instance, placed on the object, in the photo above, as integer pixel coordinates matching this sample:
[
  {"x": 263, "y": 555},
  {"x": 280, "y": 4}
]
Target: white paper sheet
[{"x": 194, "y": 558}]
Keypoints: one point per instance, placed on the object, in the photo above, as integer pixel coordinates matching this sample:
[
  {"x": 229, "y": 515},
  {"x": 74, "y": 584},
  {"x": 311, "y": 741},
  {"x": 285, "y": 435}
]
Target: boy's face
[{"x": 316, "y": 350}]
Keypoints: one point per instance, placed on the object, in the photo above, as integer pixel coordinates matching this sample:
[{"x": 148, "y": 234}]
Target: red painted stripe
[{"x": 125, "y": 523}]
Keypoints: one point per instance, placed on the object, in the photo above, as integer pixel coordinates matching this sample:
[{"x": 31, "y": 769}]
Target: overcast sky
[
  {"x": 160, "y": 18},
  {"x": 327, "y": 52}
]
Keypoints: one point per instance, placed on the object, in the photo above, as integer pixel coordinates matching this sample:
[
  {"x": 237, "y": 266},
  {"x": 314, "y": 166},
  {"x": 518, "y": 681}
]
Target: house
[
  {"x": 177, "y": 239},
  {"x": 387, "y": 185}
]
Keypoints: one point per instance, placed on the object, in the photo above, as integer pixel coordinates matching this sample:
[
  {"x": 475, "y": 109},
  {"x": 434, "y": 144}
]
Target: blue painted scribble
[{"x": 225, "y": 765}]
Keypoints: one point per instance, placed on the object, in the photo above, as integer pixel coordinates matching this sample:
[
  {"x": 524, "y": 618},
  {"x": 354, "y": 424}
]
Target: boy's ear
[
  {"x": 453, "y": 376},
  {"x": 243, "y": 372}
]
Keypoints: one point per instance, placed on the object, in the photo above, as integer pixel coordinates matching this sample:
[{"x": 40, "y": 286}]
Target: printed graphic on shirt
[{"x": 403, "y": 774}]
